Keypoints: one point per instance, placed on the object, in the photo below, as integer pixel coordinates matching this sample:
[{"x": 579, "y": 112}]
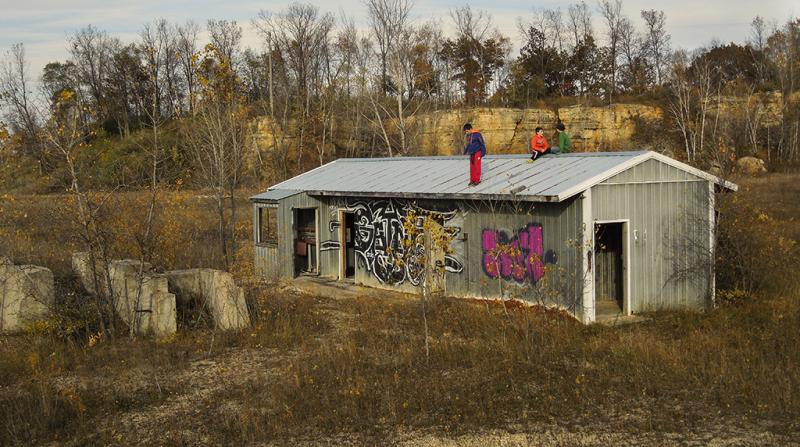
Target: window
[{"x": 268, "y": 226}]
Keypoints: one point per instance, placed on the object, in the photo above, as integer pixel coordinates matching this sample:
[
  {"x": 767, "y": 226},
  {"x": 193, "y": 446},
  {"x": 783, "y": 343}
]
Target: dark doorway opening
[
  {"x": 348, "y": 242},
  {"x": 305, "y": 241},
  {"x": 609, "y": 275}
]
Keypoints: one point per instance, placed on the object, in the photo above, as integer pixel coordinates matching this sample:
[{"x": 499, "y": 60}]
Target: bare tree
[
  {"x": 387, "y": 19},
  {"x": 690, "y": 102},
  {"x": 16, "y": 93},
  {"x": 301, "y": 34},
  {"x": 91, "y": 53},
  {"x": 187, "y": 48},
  {"x": 216, "y": 136},
  {"x": 554, "y": 24},
  {"x": 633, "y": 73},
  {"x": 66, "y": 132},
  {"x": 580, "y": 22},
  {"x": 612, "y": 14},
  {"x": 226, "y": 36},
  {"x": 656, "y": 42}
]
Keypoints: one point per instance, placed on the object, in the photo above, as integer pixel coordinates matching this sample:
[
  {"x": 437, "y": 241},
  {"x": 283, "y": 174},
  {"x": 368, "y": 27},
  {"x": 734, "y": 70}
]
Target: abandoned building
[{"x": 618, "y": 232}]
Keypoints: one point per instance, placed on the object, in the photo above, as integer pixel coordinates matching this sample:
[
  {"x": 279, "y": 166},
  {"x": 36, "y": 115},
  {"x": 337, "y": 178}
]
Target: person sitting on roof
[
  {"x": 476, "y": 148},
  {"x": 539, "y": 145},
  {"x": 564, "y": 143}
]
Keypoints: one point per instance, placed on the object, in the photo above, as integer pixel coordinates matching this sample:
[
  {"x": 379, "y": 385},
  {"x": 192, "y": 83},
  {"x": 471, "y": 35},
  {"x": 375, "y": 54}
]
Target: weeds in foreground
[
  {"x": 55, "y": 387},
  {"x": 487, "y": 370}
]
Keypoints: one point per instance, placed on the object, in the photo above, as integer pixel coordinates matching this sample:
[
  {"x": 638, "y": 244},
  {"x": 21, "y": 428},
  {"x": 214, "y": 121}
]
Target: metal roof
[
  {"x": 273, "y": 195},
  {"x": 551, "y": 178}
]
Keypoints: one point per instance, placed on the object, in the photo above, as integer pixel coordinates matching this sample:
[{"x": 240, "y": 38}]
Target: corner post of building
[
  {"x": 712, "y": 249},
  {"x": 587, "y": 256}
]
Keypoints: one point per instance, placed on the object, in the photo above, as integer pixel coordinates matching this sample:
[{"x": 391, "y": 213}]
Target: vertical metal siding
[
  {"x": 561, "y": 227},
  {"x": 280, "y": 259},
  {"x": 668, "y": 213}
]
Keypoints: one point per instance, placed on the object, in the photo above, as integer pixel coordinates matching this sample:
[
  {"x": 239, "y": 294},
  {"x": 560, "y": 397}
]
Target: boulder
[
  {"x": 751, "y": 166},
  {"x": 143, "y": 302},
  {"x": 26, "y": 295},
  {"x": 218, "y": 291}
]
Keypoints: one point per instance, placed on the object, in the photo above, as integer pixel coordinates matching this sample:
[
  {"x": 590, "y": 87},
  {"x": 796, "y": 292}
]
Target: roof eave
[
  {"x": 457, "y": 196},
  {"x": 694, "y": 171}
]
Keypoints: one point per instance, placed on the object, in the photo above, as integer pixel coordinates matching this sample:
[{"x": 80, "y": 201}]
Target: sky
[{"x": 43, "y": 26}]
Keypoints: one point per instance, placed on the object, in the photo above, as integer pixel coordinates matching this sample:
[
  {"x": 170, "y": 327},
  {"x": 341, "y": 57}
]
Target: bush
[{"x": 754, "y": 252}]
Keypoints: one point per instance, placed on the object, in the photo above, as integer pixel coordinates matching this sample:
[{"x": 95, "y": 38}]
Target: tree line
[{"x": 316, "y": 76}]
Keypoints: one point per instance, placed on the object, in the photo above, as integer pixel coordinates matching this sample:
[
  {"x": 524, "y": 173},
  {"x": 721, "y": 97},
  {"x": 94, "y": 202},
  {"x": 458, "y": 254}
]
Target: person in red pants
[{"x": 476, "y": 148}]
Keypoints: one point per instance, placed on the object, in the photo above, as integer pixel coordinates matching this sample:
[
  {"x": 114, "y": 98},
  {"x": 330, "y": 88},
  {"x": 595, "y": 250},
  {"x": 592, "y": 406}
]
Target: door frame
[
  {"x": 343, "y": 244},
  {"x": 626, "y": 262},
  {"x": 295, "y": 221}
]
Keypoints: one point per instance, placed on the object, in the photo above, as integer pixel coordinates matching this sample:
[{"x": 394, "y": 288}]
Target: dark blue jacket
[{"x": 475, "y": 144}]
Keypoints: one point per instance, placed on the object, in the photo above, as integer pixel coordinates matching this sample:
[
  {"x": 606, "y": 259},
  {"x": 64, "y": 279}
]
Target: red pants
[{"x": 475, "y": 167}]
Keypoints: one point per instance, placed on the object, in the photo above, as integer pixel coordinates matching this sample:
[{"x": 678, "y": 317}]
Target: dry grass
[
  {"x": 56, "y": 389},
  {"x": 42, "y": 229},
  {"x": 487, "y": 370}
]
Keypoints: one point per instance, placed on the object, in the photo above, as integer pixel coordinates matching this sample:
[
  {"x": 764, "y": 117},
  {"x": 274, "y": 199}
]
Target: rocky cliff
[
  {"x": 505, "y": 130},
  {"x": 510, "y": 130}
]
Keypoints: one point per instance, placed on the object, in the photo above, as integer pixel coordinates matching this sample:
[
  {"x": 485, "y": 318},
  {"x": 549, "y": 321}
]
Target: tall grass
[{"x": 488, "y": 369}]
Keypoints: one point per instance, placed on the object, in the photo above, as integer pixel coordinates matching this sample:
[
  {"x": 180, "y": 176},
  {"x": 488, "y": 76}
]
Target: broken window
[{"x": 268, "y": 226}]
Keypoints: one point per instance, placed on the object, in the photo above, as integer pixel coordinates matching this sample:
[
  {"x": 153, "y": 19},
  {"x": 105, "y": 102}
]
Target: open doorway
[
  {"x": 347, "y": 257},
  {"x": 610, "y": 274},
  {"x": 305, "y": 241}
]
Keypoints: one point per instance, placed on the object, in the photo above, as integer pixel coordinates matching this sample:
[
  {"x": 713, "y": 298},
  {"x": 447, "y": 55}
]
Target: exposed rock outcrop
[{"x": 505, "y": 130}]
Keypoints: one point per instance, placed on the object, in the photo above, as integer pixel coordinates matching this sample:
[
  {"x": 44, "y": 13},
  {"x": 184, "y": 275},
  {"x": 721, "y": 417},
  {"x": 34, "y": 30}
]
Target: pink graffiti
[{"x": 519, "y": 258}]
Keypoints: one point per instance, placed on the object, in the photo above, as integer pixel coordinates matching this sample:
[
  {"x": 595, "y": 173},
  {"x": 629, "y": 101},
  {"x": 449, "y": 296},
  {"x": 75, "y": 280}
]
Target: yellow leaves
[
  {"x": 94, "y": 339},
  {"x": 66, "y": 95}
]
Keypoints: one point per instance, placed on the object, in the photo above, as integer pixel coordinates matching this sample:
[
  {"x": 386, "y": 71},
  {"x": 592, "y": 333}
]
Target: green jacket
[{"x": 564, "y": 144}]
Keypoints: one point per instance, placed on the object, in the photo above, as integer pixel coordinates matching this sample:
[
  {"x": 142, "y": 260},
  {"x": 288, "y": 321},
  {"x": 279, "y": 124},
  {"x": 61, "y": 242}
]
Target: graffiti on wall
[
  {"x": 520, "y": 257},
  {"x": 379, "y": 238}
]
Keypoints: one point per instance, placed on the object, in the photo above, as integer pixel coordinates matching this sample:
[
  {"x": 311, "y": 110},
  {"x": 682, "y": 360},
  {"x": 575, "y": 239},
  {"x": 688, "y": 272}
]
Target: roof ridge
[{"x": 491, "y": 156}]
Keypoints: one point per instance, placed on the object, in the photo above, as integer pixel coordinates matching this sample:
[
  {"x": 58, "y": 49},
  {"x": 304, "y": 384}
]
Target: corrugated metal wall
[
  {"x": 559, "y": 225},
  {"x": 560, "y": 229},
  {"x": 668, "y": 233}
]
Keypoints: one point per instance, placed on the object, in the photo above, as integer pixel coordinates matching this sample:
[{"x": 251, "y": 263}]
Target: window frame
[{"x": 268, "y": 211}]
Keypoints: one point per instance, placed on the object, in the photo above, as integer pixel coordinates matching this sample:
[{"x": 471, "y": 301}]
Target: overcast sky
[{"x": 43, "y": 25}]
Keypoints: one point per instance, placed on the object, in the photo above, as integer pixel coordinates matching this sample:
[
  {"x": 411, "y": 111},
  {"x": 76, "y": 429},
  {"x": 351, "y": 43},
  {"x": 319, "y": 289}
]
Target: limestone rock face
[
  {"x": 751, "y": 166},
  {"x": 225, "y": 300},
  {"x": 26, "y": 295},
  {"x": 151, "y": 310},
  {"x": 505, "y": 130},
  {"x": 605, "y": 128}
]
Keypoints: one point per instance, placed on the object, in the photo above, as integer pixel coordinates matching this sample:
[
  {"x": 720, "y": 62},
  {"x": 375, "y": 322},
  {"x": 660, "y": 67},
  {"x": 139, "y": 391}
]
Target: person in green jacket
[{"x": 564, "y": 144}]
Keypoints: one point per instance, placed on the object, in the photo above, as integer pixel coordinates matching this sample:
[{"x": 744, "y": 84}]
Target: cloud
[{"x": 44, "y": 25}]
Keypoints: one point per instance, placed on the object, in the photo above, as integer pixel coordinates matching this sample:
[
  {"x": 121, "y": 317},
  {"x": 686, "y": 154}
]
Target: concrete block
[
  {"x": 146, "y": 305},
  {"x": 225, "y": 300},
  {"x": 26, "y": 295},
  {"x": 82, "y": 267}
]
